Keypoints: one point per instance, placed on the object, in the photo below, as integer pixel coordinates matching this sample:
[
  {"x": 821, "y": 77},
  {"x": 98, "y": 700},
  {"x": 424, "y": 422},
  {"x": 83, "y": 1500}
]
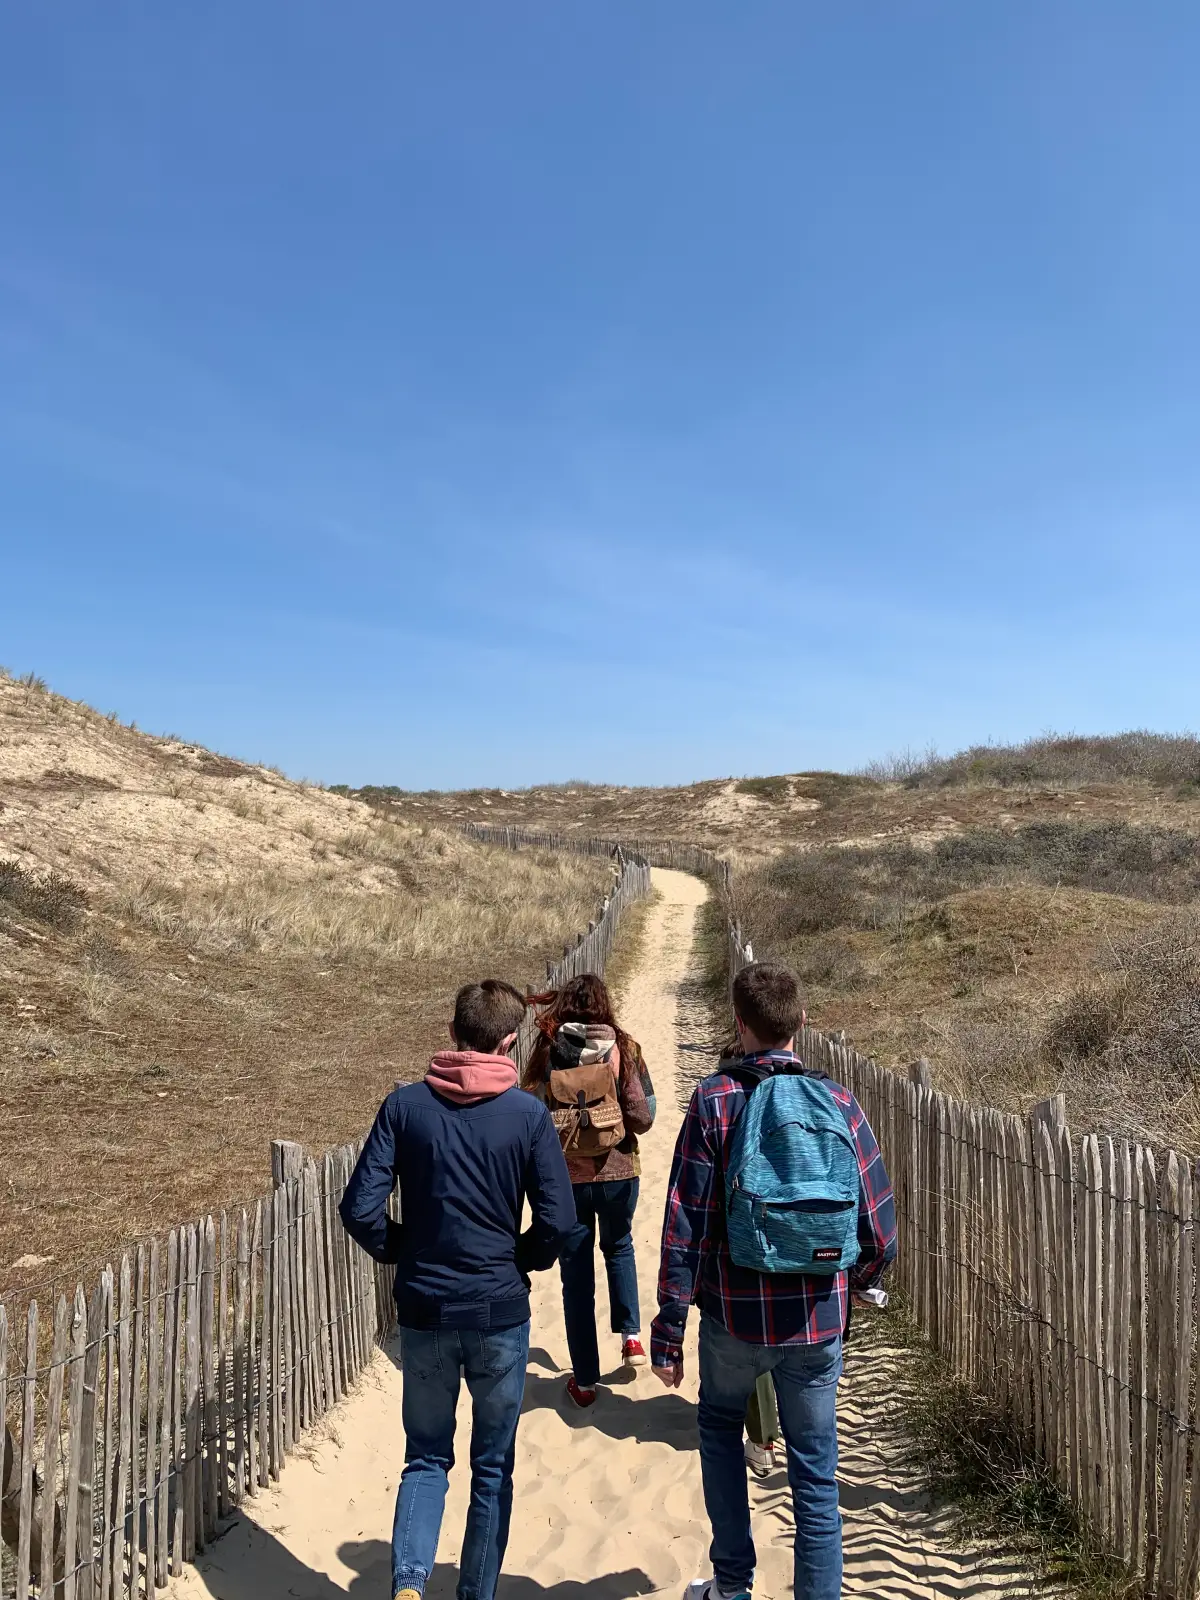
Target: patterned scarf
[{"x": 581, "y": 1044}]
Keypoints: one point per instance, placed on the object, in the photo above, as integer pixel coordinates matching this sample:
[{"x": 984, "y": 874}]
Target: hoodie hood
[{"x": 469, "y": 1076}]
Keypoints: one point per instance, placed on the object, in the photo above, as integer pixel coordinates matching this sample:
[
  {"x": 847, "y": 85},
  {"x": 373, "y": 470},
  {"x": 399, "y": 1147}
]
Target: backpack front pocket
[
  {"x": 805, "y": 1229},
  {"x": 585, "y": 1109}
]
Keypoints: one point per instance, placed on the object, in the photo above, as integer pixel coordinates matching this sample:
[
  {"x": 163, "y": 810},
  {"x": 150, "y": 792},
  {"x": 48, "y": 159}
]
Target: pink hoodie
[{"x": 469, "y": 1076}]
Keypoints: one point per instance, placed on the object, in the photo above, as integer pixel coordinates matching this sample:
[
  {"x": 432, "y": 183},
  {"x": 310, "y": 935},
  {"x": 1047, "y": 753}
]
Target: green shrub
[
  {"x": 1085, "y": 1025},
  {"x": 801, "y": 893},
  {"x": 50, "y": 898},
  {"x": 772, "y": 789}
]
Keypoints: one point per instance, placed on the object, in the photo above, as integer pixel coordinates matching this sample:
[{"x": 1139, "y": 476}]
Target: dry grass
[
  {"x": 1127, "y": 1040},
  {"x": 1008, "y": 961},
  {"x": 771, "y": 789},
  {"x": 445, "y": 897},
  {"x": 197, "y": 955},
  {"x": 50, "y": 898},
  {"x": 890, "y": 885}
]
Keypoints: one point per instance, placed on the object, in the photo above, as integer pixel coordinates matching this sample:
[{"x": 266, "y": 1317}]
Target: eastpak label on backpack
[{"x": 792, "y": 1180}]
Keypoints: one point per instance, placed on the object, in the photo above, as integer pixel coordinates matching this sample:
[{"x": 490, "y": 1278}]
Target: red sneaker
[
  {"x": 580, "y": 1396},
  {"x": 632, "y": 1353}
]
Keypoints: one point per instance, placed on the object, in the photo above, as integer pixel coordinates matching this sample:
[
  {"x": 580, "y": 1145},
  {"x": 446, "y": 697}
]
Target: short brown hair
[
  {"x": 767, "y": 998},
  {"x": 485, "y": 1013}
]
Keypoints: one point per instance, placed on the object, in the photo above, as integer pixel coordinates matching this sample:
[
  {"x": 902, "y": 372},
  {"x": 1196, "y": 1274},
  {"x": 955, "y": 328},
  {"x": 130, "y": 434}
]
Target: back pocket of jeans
[
  {"x": 501, "y": 1350},
  {"x": 420, "y": 1353}
]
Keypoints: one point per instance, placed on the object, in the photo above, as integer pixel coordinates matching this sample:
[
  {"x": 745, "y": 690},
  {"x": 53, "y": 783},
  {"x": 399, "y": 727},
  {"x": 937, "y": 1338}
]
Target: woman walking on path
[{"x": 592, "y": 1076}]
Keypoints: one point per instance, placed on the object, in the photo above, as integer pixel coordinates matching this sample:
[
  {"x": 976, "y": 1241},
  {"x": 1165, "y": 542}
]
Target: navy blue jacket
[{"x": 464, "y": 1173}]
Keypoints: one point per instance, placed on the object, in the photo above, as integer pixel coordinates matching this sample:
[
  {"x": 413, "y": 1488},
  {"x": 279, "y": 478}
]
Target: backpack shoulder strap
[
  {"x": 751, "y": 1073},
  {"x": 747, "y": 1075}
]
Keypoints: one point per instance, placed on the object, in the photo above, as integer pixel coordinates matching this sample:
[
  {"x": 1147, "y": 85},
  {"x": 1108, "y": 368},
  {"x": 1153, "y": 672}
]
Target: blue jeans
[
  {"x": 433, "y": 1362},
  {"x": 608, "y": 1207},
  {"x": 806, "y": 1387}
]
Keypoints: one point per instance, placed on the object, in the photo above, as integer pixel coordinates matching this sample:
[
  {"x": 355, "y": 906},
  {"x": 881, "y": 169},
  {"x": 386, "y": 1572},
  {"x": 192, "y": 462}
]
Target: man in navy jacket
[{"x": 466, "y": 1147}]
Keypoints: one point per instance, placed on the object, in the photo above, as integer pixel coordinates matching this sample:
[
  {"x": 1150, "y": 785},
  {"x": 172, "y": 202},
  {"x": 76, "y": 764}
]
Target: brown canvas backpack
[{"x": 582, "y": 1098}]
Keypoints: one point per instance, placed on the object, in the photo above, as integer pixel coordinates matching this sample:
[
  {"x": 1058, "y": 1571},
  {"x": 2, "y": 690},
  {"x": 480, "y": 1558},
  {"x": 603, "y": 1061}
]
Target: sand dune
[{"x": 608, "y": 1502}]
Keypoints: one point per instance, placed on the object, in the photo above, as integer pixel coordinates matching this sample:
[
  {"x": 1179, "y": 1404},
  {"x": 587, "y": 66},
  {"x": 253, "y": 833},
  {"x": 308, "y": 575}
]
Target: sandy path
[{"x": 607, "y": 1503}]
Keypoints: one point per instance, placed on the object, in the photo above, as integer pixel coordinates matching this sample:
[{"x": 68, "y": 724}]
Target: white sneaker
[
  {"x": 760, "y": 1458},
  {"x": 710, "y": 1589}
]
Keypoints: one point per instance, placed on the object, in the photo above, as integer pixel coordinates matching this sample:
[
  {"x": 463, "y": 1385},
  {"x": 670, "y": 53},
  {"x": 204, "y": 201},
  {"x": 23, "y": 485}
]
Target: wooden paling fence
[
  {"x": 144, "y": 1412},
  {"x": 1058, "y": 1273},
  {"x": 150, "y": 1408},
  {"x": 652, "y": 852}
]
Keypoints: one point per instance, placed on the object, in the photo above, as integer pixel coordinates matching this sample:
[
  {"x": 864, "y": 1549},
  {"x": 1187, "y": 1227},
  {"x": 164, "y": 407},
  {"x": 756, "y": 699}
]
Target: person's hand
[{"x": 670, "y": 1376}]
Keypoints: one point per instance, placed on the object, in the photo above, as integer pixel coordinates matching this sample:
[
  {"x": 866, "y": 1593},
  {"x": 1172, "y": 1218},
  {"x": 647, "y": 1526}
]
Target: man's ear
[
  {"x": 803, "y": 1018},
  {"x": 453, "y": 1035},
  {"x": 506, "y": 1043}
]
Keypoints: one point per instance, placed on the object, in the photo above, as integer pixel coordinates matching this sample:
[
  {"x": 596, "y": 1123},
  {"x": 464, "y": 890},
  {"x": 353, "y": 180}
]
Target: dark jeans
[
  {"x": 806, "y": 1388},
  {"x": 434, "y": 1363},
  {"x": 607, "y": 1208}
]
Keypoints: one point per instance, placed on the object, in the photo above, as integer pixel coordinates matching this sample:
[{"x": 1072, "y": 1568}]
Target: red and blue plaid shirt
[{"x": 760, "y": 1307}]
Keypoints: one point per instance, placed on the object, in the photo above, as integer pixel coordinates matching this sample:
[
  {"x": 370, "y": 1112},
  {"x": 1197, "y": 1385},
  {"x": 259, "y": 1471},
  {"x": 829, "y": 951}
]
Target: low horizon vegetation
[
  {"x": 1063, "y": 759},
  {"x": 1049, "y": 759},
  {"x": 1054, "y": 760}
]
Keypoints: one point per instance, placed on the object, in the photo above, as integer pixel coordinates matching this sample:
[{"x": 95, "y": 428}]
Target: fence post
[
  {"x": 287, "y": 1161},
  {"x": 1052, "y": 1112},
  {"x": 921, "y": 1073}
]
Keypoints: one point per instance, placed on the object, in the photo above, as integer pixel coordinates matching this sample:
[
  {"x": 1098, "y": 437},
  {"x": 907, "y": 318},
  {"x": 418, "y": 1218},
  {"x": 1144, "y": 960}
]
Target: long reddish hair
[{"x": 582, "y": 999}]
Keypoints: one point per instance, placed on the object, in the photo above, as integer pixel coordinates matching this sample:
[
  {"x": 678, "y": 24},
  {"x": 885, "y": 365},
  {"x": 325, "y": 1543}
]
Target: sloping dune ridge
[{"x": 607, "y": 1504}]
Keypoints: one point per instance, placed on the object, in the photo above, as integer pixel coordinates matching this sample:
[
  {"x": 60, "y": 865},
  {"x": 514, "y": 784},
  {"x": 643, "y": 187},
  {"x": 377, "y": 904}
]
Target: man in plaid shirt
[{"x": 788, "y": 1324}]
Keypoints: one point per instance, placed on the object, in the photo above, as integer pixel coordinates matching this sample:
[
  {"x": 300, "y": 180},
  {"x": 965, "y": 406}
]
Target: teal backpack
[{"x": 792, "y": 1178}]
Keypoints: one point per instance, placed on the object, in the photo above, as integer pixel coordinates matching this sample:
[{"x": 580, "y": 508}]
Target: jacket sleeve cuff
[
  {"x": 867, "y": 1277},
  {"x": 666, "y": 1342},
  {"x": 536, "y": 1251}
]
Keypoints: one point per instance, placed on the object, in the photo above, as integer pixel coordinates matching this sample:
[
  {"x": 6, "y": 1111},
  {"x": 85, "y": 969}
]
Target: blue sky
[{"x": 489, "y": 394}]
